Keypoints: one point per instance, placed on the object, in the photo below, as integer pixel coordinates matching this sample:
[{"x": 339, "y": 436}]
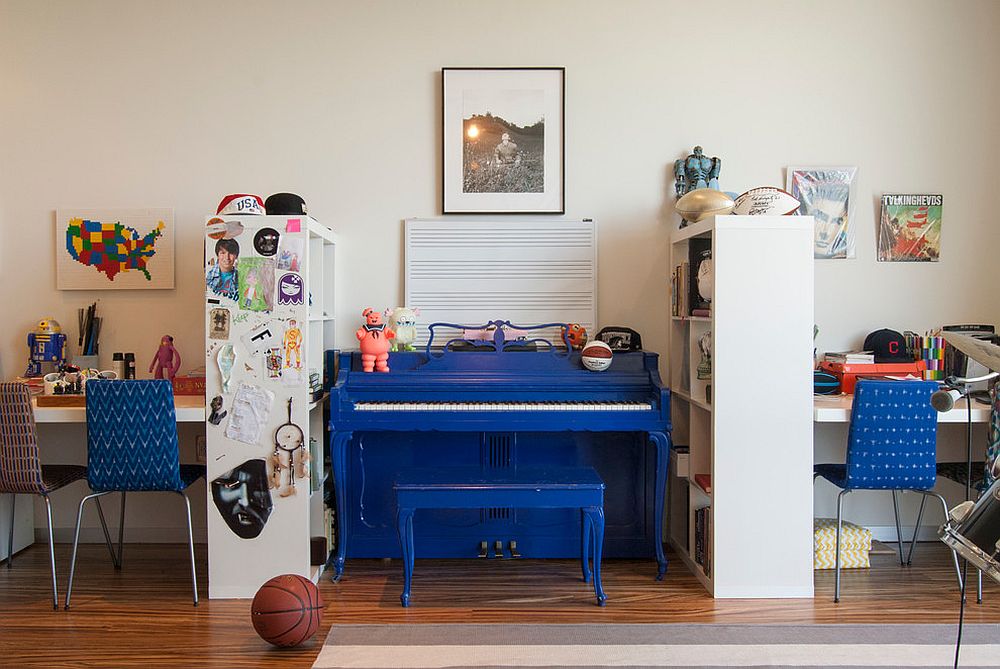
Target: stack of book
[{"x": 851, "y": 357}]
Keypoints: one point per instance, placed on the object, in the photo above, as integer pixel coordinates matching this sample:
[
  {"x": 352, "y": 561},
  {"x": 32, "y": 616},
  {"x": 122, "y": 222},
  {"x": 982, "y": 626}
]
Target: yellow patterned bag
[{"x": 855, "y": 543}]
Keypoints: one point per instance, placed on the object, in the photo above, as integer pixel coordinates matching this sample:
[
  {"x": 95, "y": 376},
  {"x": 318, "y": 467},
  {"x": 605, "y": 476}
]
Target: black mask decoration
[{"x": 242, "y": 497}]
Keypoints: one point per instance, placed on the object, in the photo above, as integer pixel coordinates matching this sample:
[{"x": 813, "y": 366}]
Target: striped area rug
[{"x": 656, "y": 646}]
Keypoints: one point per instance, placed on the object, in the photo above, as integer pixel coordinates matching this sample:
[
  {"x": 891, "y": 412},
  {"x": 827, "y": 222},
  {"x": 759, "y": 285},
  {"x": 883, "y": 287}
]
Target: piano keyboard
[{"x": 503, "y": 406}]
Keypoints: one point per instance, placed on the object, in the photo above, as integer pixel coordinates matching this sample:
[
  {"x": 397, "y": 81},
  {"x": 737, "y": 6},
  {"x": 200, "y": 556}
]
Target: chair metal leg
[
  {"x": 979, "y": 586},
  {"x": 954, "y": 555},
  {"x": 194, "y": 575},
  {"x": 916, "y": 528},
  {"x": 52, "y": 554},
  {"x": 840, "y": 517},
  {"x": 10, "y": 543},
  {"x": 107, "y": 535},
  {"x": 121, "y": 534},
  {"x": 899, "y": 530},
  {"x": 76, "y": 540}
]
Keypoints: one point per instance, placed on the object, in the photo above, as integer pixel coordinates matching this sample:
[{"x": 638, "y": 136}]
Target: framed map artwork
[{"x": 114, "y": 249}]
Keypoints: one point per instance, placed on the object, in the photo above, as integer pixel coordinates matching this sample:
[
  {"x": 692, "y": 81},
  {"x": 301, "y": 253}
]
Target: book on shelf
[
  {"x": 851, "y": 357},
  {"x": 699, "y": 536},
  {"x": 704, "y": 482},
  {"x": 705, "y": 312}
]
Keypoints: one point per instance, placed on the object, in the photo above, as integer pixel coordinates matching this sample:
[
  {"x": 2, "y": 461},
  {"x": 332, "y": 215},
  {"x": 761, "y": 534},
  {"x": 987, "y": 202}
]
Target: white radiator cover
[{"x": 526, "y": 272}]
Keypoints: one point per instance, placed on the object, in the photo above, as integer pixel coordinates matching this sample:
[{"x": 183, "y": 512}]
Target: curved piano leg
[
  {"x": 662, "y": 443},
  {"x": 404, "y": 526},
  {"x": 338, "y": 461},
  {"x": 585, "y": 544},
  {"x": 596, "y": 516}
]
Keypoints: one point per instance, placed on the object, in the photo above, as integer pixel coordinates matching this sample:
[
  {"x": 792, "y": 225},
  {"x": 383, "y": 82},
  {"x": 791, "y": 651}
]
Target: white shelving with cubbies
[
  {"x": 748, "y": 426},
  {"x": 283, "y": 294}
]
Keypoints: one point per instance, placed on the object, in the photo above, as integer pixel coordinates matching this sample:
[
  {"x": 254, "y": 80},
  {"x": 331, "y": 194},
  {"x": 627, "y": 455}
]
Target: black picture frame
[{"x": 503, "y": 148}]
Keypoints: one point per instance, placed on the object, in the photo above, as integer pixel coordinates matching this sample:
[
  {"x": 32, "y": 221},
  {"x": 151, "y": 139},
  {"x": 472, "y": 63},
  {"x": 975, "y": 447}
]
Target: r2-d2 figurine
[{"x": 47, "y": 344}]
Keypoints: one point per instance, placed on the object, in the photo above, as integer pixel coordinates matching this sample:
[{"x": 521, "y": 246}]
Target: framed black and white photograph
[{"x": 503, "y": 140}]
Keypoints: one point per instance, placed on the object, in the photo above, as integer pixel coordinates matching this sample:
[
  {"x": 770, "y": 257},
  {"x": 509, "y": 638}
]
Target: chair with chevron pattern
[
  {"x": 21, "y": 471},
  {"x": 891, "y": 445},
  {"x": 132, "y": 447}
]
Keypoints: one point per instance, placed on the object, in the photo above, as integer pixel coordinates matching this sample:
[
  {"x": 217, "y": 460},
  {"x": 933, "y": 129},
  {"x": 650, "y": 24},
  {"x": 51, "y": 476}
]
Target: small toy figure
[
  {"x": 403, "y": 322},
  {"x": 164, "y": 359},
  {"x": 375, "y": 344},
  {"x": 576, "y": 334},
  {"x": 293, "y": 344},
  {"x": 696, "y": 171},
  {"x": 47, "y": 344}
]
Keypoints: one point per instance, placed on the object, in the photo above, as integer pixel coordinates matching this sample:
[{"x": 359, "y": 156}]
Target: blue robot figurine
[{"x": 47, "y": 344}]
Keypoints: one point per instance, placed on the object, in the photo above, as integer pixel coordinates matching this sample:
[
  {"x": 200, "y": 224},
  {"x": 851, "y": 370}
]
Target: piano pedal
[
  {"x": 513, "y": 549},
  {"x": 482, "y": 549},
  {"x": 498, "y": 550}
]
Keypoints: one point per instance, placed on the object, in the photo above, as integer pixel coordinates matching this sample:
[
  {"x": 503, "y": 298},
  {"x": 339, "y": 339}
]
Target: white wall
[{"x": 134, "y": 104}]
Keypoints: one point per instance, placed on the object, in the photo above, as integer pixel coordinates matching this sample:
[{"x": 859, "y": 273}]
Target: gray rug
[{"x": 656, "y": 646}]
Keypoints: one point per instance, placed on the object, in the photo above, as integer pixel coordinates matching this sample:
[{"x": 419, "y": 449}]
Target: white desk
[
  {"x": 837, "y": 409},
  {"x": 189, "y": 409}
]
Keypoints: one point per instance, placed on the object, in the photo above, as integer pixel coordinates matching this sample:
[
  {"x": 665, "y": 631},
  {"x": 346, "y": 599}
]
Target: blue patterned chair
[
  {"x": 21, "y": 470},
  {"x": 892, "y": 445},
  {"x": 132, "y": 447}
]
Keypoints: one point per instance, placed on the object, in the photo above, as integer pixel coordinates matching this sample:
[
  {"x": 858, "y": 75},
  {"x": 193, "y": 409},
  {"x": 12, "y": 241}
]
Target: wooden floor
[{"x": 142, "y": 616}]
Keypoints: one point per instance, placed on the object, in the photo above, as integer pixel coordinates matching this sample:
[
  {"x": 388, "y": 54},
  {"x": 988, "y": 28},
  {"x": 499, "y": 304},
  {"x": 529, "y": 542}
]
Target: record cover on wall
[
  {"x": 826, "y": 194},
  {"x": 910, "y": 228},
  {"x": 114, "y": 249},
  {"x": 503, "y": 140}
]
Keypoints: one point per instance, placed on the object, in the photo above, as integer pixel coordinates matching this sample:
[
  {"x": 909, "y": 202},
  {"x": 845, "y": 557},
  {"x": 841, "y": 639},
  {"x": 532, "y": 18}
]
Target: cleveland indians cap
[
  {"x": 241, "y": 203},
  {"x": 888, "y": 346},
  {"x": 285, "y": 204}
]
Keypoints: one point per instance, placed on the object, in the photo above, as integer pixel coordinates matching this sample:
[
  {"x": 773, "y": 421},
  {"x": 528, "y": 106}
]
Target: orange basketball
[{"x": 286, "y": 610}]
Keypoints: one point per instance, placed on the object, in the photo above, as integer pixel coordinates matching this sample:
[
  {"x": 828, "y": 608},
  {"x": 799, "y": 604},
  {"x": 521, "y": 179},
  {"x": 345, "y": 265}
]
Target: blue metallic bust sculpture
[{"x": 696, "y": 171}]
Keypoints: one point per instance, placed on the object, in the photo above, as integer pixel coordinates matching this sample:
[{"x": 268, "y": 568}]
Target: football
[
  {"x": 766, "y": 201},
  {"x": 702, "y": 203},
  {"x": 596, "y": 356}
]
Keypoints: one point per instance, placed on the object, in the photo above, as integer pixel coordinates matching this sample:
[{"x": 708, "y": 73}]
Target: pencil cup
[{"x": 86, "y": 361}]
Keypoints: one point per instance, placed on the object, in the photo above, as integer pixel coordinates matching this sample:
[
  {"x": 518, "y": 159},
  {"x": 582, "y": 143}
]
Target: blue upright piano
[{"x": 498, "y": 405}]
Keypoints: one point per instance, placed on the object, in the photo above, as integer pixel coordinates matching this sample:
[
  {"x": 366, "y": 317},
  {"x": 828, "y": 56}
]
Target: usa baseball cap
[
  {"x": 285, "y": 204},
  {"x": 241, "y": 203},
  {"x": 887, "y": 345}
]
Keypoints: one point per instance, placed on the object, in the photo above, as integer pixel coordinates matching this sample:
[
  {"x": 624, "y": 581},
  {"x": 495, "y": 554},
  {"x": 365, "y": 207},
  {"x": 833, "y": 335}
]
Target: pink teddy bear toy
[{"x": 374, "y": 338}]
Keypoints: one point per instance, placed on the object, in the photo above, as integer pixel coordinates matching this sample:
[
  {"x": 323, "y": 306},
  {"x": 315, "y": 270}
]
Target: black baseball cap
[
  {"x": 888, "y": 346},
  {"x": 285, "y": 204}
]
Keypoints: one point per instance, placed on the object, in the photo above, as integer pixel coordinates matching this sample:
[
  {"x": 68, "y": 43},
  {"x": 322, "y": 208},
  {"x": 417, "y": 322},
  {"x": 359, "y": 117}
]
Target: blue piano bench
[{"x": 526, "y": 488}]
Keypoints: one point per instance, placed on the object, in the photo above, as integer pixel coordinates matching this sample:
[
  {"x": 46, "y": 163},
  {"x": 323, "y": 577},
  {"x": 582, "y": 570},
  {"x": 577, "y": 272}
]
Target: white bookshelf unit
[
  {"x": 302, "y": 288},
  {"x": 750, "y": 425}
]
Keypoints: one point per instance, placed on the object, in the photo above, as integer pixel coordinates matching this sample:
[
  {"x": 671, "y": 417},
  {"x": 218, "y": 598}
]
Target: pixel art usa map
[{"x": 111, "y": 248}]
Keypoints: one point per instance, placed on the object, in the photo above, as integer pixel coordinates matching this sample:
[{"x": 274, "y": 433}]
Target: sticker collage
[{"x": 256, "y": 318}]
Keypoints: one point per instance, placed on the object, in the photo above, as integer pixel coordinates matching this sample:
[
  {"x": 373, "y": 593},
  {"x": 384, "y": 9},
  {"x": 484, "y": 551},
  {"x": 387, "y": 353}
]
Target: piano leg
[
  {"x": 596, "y": 516},
  {"x": 404, "y": 526},
  {"x": 585, "y": 544},
  {"x": 338, "y": 460},
  {"x": 662, "y": 443}
]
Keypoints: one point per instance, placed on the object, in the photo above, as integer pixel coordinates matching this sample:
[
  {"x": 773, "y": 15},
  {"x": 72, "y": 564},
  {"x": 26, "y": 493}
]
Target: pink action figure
[
  {"x": 374, "y": 338},
  {"x": 164, "y": 359}
]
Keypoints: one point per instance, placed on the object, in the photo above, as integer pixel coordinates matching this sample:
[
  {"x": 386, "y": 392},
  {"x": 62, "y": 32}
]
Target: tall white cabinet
[
  {"x": 748, "y": 426},
  {"x": 265, "y": 334}
]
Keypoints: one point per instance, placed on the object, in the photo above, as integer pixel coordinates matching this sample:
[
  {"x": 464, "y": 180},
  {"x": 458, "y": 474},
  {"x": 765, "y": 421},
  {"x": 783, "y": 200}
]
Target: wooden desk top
[
  {"x": 837, "y": 409},
  {"x": 189, "y": 408}
]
